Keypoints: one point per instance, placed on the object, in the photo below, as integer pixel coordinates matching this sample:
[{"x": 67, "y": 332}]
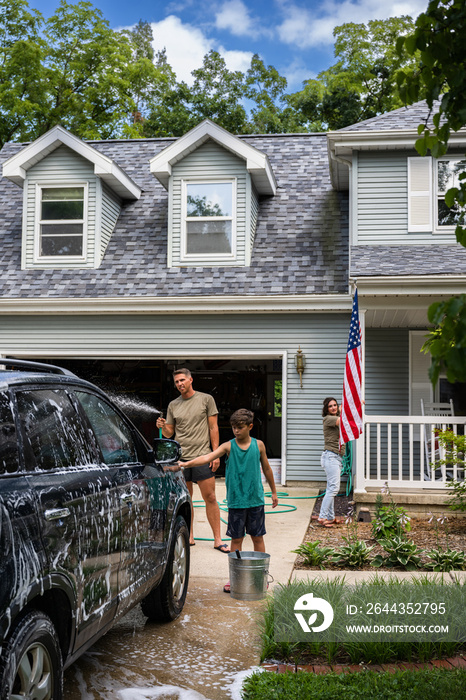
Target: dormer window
[
  {"x": 61, "y": 222},
  {"x": 214, "y": 182},
  {"x": 72, "y": 199},
  {"x": 209, "y": 219}
]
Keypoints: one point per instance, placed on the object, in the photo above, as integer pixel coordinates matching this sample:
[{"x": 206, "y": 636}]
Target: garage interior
[{"x": 143, "y": 388}]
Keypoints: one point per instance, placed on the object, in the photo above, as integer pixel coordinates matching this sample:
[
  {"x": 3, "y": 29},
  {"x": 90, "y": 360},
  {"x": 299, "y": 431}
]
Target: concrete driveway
[
  {"x": 286, "y": 526},
  {"x": 204, "y": 654}
]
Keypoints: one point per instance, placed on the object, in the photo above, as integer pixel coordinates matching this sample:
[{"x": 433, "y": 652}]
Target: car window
[
  {"x": 9, "y": 461},
  {"x": 53, "y": 430},
  {"x": 112, "y": 433}
]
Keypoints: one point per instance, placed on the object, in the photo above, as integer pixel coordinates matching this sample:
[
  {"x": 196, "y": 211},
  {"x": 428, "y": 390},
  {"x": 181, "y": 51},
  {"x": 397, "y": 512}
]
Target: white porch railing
[{"x": 402, "y": 451}]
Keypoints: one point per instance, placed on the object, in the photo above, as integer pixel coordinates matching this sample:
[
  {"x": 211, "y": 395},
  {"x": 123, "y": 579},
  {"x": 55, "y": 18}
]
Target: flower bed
[{"x": 362, "y": 547}]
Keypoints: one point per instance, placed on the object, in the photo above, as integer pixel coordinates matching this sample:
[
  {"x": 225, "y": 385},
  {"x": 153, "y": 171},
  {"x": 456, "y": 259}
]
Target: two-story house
[
  {"x": 403, "y": 256},
  {"x": 232, "y": 255}
]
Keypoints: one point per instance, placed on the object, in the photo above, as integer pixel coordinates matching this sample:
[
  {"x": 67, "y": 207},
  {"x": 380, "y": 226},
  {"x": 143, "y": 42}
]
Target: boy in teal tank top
[{"x": 245, "y": 493}]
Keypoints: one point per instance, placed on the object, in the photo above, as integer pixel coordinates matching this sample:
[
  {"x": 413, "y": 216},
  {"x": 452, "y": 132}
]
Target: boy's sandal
[{"x": 226, "y": 588}]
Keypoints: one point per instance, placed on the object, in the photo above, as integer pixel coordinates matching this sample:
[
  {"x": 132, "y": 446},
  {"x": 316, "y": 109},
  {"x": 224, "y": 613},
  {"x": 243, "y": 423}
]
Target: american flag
[{"x": 351, "y": 408}]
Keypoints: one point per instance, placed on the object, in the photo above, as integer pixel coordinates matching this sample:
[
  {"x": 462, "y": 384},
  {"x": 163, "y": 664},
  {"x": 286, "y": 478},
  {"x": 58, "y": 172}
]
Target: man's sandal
[{"x": 223, "y": 548}]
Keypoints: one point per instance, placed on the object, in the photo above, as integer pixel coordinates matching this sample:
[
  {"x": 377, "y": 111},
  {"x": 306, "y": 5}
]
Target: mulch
[
  {"x": 425, "y": 535},
  {"x": 320, "y": 668}
]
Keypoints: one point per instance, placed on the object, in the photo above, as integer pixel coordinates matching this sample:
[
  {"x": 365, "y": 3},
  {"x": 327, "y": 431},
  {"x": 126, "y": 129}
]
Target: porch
[{"x": 402, "y": 451}]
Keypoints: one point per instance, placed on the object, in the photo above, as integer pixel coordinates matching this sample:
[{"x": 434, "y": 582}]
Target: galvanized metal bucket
[{"x": 248, "y": 575}]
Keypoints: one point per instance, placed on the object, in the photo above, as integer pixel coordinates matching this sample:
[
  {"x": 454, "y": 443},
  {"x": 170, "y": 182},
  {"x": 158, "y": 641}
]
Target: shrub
[
  {"x": 390, "y": 519},
  {"x": 455, "y": 453},
  {"x": 446, "y": 560},
  {"x": 355, "y": 554},
  {"x": 313, "y": 554},
  {"x": 401, "y": 552}
]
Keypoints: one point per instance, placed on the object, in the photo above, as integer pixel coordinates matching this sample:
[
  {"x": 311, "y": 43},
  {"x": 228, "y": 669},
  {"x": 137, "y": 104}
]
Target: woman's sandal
[{"x": 327, "y": 523}]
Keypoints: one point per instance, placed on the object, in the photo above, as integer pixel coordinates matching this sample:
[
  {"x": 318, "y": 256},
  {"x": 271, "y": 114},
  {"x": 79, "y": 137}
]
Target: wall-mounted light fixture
[{"x": 300, "y": 364}]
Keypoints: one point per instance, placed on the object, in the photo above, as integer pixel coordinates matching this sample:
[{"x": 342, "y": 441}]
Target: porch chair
[{"x": 436, "y": 409}]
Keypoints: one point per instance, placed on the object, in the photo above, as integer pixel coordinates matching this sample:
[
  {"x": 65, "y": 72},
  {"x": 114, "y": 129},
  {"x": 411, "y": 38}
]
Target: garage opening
[{"x": 145, "y": 387}]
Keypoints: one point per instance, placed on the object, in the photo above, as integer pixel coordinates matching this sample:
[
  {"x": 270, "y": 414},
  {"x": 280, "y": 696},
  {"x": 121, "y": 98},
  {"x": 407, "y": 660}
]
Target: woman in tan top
[{"x": 331, "y": 459}]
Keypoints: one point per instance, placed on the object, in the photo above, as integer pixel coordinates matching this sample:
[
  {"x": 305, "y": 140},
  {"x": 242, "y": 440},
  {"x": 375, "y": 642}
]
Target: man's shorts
[
  {"x": 196, "y": 474},
  {"x": 249, "y": 521}
]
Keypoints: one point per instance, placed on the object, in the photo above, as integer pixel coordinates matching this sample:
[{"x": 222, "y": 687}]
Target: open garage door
[{"x": 144, "y": 388}]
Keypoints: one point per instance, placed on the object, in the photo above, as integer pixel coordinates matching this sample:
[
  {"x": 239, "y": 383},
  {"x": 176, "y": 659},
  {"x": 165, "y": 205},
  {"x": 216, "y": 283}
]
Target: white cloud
[
  {"x": 296, "y": 73},
  {"x": 186, "y": 47},
  {"x": 309, "y": 28},
  {"x": 236, "y": 60},
  {"x": 234, "y": 17}
]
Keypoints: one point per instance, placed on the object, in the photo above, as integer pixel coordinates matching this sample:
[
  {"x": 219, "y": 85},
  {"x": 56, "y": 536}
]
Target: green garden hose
[{"x": 347, "y": 465}]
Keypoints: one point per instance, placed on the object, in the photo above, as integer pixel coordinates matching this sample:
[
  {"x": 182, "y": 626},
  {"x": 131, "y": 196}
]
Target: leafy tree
[
  {"x": 72, "y": 70},
  {"x": 22, "y": 86},
  {"x": 89, "y": 89},
  {"x": 368, "y": 54},
  {"x": 169, "y": 112},
  {"x": 340, "y": 107},
  {"x": 439, "y": 37},
  {"x": 362, "y": 83},
  {"x": 307, "y": 105},
  {"x": 143, "y": 74},
  {"x": 199, "y": 206},
  {"x": 217, "y": 94},
  {"x": 271, "y": 113}
]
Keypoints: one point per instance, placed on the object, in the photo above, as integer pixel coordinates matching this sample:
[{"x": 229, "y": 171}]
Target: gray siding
[
  {"x": 111, "y": 206},
  {"x": 387, "y": 393},
  {"x": 254, "y": 214},
  {"x": 210, "y": 161},
  {"x": 322, "y": 338},
  {"x": 382, "y": 202},
  {"x": 65, "y": 167},
  {"x": 387, "y": 371}
]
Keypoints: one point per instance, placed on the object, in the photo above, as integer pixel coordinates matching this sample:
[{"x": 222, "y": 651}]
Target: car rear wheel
[
  {"x": 166, "y": 602},
  {"x": 31, "y": 665}
]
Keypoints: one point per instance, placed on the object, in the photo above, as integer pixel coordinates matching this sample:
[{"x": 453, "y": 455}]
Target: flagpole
[{"x": 351, "y": 419}]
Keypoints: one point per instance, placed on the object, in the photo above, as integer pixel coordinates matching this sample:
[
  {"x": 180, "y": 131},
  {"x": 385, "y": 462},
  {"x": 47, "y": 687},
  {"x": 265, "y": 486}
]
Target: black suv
[{"x": 90, "y": 524}]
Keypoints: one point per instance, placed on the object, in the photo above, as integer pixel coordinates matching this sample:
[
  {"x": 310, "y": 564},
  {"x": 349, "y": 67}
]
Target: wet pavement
[
  {"x": 198, "y": 656},
  {"x": 207, "y": 651}
]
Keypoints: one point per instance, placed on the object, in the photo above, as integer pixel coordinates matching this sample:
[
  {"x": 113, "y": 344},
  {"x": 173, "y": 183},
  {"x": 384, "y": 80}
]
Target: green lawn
[{"x": 365, "y": 685}]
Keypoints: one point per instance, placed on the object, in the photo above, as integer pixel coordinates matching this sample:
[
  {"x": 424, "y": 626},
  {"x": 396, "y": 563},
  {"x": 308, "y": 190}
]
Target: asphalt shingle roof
[
  {"x": 301, "y": 243},
  {"x": 403, "y": 118},
  {"x": 392, "y": 260}
]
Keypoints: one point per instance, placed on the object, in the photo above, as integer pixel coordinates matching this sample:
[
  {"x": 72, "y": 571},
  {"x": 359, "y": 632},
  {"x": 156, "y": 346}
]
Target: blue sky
[{"x": 295, "y": 36}]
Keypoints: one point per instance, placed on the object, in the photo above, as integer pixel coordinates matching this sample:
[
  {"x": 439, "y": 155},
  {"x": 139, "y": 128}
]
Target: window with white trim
[
  {"x": 428, "y": 181},
  {"x": 209, "y": 219},
  {"x": 448, "y": 171},
  {"x": 61, "y": 222}
]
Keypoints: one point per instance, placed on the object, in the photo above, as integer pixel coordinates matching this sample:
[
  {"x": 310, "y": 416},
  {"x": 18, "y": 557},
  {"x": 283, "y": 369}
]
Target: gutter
[{"x": 271, "y": 304}]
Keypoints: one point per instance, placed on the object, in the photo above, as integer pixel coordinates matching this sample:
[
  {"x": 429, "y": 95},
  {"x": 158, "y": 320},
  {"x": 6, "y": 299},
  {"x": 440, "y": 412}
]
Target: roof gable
[
  {"x": 257, "y": 163},
  {"x": 16, "y": 167},
  {"x": 396, "y": 130}
]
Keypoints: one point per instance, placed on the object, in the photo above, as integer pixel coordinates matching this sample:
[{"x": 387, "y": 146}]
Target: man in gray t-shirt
[{"x": 192, "y": 418}]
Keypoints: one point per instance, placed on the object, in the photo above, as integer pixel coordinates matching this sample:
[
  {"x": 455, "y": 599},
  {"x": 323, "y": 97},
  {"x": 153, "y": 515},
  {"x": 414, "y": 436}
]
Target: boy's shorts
[
  {"x": 249, "y": 521},
  {"x": 196, "y": 474}
]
